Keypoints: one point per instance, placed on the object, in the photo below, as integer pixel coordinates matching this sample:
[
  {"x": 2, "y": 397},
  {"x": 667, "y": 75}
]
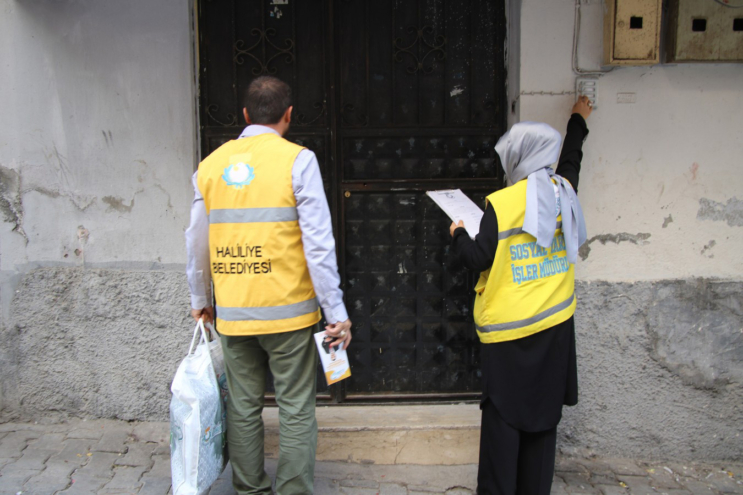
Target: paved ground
[{"x": 116, "y": 457}]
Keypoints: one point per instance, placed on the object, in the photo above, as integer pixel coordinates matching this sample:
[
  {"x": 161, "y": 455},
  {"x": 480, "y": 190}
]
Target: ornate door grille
[{"x": 395, "y": 98}]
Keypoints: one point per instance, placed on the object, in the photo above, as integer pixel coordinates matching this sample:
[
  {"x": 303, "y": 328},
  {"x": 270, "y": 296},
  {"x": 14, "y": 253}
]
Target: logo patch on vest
[{"x": 238, "y": 175}]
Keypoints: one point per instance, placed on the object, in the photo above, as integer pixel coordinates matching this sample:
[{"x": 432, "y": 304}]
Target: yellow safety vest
[
  {"x": 261, "y": 281},
  {"x": 529, "y": 288}
]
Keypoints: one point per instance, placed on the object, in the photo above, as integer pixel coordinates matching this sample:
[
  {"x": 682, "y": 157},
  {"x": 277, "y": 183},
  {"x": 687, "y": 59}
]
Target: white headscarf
[{"x": 527, "y": 151}]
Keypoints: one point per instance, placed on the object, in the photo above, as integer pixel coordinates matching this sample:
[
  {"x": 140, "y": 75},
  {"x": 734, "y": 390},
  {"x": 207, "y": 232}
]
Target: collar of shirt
[{"x": 256, "y": 130}]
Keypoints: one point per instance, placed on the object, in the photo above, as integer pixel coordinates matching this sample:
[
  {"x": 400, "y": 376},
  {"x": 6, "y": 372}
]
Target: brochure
[{"x": 334, "y": 359}]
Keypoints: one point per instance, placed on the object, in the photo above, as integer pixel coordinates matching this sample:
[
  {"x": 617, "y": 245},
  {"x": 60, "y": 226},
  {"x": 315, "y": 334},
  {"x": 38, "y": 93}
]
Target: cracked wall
[
  {"x": 97, "y": 141},
  {"x": 636, "y": 239},
  {"x": 10, "y": 200},
  {"x": 98, "y": 133}
]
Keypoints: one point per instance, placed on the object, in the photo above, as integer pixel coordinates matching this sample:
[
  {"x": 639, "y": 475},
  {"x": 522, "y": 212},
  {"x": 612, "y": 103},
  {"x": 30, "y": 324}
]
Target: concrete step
[{"x": 447, "y": 434}]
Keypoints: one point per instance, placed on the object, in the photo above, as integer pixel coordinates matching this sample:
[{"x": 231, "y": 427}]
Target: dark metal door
[{"x": 395, "y": 98}]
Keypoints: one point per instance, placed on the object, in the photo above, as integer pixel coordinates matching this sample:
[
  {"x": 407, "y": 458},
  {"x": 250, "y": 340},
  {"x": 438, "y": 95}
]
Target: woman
[{"x": 526, "y": 251}]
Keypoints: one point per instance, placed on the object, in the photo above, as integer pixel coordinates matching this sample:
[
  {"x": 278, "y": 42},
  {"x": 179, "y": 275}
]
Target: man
[{"x": 261, "y": 231}]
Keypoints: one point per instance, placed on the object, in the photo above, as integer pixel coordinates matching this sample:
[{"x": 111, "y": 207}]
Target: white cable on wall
[
  {"x": 576, "y": 37},
  {"x": 736, "y": 4}
]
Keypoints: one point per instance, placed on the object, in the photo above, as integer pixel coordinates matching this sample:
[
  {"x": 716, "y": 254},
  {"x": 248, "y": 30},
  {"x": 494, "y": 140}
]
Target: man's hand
[
  {"x": 341, "y": 332},
  {"x": 207, "y": 314},
  {"x": 455, "y": 226},
  {"x": 583, "y": 106}
]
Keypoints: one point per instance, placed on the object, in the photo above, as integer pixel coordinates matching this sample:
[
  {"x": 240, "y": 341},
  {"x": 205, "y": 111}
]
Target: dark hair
[{"x": 266, "y": 99}]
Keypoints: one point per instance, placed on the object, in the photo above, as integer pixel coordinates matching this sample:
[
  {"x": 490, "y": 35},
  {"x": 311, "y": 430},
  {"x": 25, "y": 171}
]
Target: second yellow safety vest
[
  {"x": 529, "y": 288},
  {"x": 261, "y": 281}
]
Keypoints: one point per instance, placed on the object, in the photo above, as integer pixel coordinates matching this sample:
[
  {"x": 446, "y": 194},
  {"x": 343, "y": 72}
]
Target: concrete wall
[
  {"x": 660, "y": 313},
  {"x": 96, "y": 152},
  {"x": 97, "y": 146}
]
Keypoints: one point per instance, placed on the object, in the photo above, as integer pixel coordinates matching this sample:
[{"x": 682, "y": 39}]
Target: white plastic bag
[{"x": 197, "y": 432}]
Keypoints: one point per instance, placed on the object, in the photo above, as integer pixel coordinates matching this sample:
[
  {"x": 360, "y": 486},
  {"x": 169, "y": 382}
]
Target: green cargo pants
[{"x": 292, "y": 359}]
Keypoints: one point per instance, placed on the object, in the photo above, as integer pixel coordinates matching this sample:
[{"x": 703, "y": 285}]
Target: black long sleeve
[
  {"x": 478, "y": 255},
  {"x": 529, "y": 379},
  {"x": 572, "y": 150}
]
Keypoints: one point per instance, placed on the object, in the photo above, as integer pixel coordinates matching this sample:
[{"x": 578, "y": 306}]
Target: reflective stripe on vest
[
  {"x": 254, "y": 215},
  {"x": 268, "y": 312},
  {"x": 512, "y": 325}
]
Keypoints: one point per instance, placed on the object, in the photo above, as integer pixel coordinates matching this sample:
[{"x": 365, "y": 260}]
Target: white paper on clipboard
[{"x": 459, "y": 207}]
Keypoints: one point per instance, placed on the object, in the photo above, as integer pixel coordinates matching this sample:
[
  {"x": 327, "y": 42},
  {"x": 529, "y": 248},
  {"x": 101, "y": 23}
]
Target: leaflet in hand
[
  {"x": 334, "y": 359},
  {"x": 459, "y": 207}
]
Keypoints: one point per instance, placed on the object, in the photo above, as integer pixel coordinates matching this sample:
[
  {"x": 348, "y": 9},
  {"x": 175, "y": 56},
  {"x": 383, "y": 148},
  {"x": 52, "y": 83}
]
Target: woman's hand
[
  {"x": 583, "y": 106},
  {"x": 455, "y": 226}
]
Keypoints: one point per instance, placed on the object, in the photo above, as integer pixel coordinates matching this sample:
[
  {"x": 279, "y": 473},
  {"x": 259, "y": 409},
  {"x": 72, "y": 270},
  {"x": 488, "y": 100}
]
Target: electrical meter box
[
  {"x": 632, "y": 32},
  {"x": 705, "y": 31}
]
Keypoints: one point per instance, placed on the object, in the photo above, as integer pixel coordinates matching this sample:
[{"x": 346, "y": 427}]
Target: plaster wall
[
  {"x": 97, "y": 142},
  {"x": 660, "y": 185},
  {"x": 97, "y": 138}
]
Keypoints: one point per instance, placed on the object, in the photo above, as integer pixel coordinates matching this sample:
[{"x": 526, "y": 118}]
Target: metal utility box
[
  {"x": 632, "y": 32},
  {"x": 704, "y": 32}
]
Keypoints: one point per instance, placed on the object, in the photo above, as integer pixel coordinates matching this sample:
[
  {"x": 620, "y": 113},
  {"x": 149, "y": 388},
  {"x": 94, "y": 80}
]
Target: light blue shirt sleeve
[
  {"x": 197, "y": 252},
  {"x": 317, "y": 235}
]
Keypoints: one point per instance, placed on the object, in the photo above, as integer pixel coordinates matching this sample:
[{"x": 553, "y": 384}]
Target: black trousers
[{"x": 513, "y": 461}]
